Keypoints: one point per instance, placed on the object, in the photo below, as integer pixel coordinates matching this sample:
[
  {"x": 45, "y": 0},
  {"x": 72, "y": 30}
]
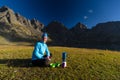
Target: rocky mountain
[
  {"x": 58, "y": 33},
  {"x": 78, "y": 32},
  {"x": 102, "y": 34},
  {"x": 79, "y": 28},
  {"x": 15, "y": 27},
  {"x": 61, "y": 35},
  {"x": 106, "y": 33}
]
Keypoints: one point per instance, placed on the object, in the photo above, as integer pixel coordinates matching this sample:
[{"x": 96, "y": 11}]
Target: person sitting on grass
[{"x": 39, "y": 58}]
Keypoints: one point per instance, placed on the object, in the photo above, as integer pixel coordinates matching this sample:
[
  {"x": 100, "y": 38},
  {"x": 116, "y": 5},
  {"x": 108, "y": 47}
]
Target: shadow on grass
[{"x": 25, "y": 63}]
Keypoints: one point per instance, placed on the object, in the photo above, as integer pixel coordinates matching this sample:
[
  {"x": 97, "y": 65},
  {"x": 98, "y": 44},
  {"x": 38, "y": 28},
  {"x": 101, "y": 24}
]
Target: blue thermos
[{"x": 64, "y": 55}]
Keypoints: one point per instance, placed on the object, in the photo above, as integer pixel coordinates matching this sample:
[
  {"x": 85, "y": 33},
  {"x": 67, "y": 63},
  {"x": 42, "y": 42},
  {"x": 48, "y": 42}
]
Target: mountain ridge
[
  {"x": 15, "y": 27},
  {"x": 24, "y": 29}
]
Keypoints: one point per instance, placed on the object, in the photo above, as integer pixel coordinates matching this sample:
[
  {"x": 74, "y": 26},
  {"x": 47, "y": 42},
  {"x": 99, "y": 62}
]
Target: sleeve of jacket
[
  {"x": 36, "y": 51},
  {"x": 47, "y": 51}
]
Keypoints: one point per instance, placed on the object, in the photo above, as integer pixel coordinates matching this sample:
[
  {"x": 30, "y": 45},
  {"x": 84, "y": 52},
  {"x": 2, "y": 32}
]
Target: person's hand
[{"x": 48, "y": 58}]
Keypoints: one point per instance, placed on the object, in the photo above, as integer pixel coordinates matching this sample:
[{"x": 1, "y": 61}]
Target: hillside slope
[{"x": 15, "y": 27}]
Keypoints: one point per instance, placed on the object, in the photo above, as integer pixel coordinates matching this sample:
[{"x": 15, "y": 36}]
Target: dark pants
[{"x": 41, "y": 62}]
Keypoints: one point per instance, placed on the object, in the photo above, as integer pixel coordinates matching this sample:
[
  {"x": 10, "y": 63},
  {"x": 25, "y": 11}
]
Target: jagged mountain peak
[
  {"x": 5, "y": 8},
  {"x": 17, "y": 26},
  {"x": 35, "y": 21},
  {"x": 37, "y": 24},
  {"x": 80, "y": 26},
  {"x": 57, "y": 25},
  {"x": 7, "y": 15}
]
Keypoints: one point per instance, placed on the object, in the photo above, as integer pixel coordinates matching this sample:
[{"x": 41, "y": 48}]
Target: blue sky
[{"x": 69, "y": 12}]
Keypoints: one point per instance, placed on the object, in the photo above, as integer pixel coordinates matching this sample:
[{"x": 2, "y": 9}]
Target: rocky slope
[
  {"x": 106, "y": 33},
  {"x": 58, "y": 33},
  {"x": 15, "y": 27}
]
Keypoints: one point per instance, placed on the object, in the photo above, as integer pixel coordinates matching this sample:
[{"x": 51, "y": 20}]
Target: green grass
[
  {"x": 82, "y": 64},
  {"x": 3, "y": 40}
]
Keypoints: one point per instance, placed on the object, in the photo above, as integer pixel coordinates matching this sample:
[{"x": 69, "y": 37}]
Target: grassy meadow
[{"x": 82, "y": 64}]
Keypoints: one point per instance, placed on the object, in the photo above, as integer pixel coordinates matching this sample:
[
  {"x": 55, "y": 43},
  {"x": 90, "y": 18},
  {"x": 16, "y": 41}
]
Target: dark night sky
[{"x": 69, "y": 12}]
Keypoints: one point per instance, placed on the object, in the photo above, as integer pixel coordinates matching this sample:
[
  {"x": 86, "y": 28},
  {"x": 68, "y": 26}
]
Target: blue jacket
[{"x": 39, "y": 50}]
